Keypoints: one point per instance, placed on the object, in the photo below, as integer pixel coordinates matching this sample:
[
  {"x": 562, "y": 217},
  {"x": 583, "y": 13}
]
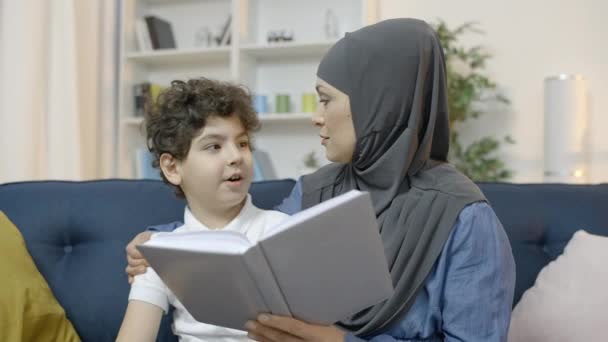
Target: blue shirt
[{"x": 468, "y": 293}]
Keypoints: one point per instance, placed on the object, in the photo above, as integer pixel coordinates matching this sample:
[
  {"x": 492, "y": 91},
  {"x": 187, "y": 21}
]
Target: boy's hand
[
  {"x": 271, "y": 328},
  {"x": 136, "y": 262}
]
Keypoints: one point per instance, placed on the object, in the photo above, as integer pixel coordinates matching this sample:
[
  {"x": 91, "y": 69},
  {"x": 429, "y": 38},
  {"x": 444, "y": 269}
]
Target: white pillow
[{"x": 569, "y": 300}]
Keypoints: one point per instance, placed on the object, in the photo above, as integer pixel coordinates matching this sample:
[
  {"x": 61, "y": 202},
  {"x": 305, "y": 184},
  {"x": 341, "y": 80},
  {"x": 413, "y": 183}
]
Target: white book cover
[
  {"x": 143, "y": 36},
  {"x": 321, "y": 265}
]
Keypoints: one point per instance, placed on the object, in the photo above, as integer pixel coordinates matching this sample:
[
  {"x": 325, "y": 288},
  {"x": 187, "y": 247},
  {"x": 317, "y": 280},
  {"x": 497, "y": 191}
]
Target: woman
[{"x": 384, "y": 123}]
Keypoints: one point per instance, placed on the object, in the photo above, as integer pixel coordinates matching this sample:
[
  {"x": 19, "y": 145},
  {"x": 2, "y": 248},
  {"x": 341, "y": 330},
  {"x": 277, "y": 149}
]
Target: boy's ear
[{"x": 170, "y": 168}]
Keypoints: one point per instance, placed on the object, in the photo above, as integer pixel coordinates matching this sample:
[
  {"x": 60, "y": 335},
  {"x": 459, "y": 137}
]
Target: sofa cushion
[
  {"x": 77, "y": 232},
  {"x": 569, "y": 299},
  {"x": 28, "y": 309},
  {"x": 540, "y": 219}
]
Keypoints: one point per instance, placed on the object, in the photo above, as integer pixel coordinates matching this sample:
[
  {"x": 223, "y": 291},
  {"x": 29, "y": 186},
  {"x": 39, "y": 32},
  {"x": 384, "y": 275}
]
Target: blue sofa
[{"x": 76, "y": 233}]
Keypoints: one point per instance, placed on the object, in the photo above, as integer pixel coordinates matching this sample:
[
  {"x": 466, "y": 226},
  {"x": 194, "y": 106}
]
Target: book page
[
  {"x": 215, "y": 288},
  {"x": 331, "y": 263},
  {"x": 311, "y": 212},
  {"x": 266, "y": 281},
  {"x": 218, "y": 241}
]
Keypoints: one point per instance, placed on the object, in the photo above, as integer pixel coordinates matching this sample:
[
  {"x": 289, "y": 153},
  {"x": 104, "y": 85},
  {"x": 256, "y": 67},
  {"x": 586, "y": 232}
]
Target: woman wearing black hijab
[{"x": 384, "y": 123}]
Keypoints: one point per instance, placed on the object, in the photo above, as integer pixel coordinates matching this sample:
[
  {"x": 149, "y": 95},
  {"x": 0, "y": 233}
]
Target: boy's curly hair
[{"x": 181, "y": 111}]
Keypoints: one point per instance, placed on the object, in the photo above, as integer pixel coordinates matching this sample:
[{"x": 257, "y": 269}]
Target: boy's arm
[
  {"x": 148, "y": 300},
  {"x": 141, "y": 322}
]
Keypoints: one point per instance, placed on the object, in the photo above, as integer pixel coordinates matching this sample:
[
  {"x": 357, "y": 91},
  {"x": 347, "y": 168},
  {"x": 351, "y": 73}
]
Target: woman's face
[{"x": 335, "y": 122}]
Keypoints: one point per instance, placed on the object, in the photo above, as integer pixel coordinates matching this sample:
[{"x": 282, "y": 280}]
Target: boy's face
[{"x": 218, "y": 169}]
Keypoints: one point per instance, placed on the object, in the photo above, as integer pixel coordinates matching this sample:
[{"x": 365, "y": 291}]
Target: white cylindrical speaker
[{"x": 566, "y": 129}]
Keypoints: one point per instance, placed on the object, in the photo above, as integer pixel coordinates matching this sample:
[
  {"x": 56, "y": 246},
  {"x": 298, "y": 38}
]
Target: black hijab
[{"x": 394, "y": 75}]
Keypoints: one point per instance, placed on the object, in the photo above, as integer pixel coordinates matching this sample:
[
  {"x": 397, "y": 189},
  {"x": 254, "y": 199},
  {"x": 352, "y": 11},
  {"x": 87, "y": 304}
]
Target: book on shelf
[
  {"x": 142, "y": 93},
  {"x": 161, "y": 33},
  {"x": 142, "y": 35},
  {"x": 143, "y": 165},
  {"x": 320, "y": 265}
]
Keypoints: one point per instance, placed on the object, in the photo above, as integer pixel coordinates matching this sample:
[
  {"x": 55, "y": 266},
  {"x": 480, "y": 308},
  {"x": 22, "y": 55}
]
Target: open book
[{"x": 320, "y": 265}]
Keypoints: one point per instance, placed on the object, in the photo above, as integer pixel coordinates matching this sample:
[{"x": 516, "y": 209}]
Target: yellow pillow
[{"x": 28, "y": 309}]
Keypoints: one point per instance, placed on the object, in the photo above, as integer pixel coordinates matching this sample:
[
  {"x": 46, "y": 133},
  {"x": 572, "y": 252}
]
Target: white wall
[{"x": 531, "y": 40}]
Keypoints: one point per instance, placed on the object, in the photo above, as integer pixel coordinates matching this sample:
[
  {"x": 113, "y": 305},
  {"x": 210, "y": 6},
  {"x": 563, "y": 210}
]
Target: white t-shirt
[{"x": 149, "y": 288}]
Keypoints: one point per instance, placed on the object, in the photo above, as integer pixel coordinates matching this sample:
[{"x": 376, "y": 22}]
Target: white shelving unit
[
  {"x": 265, "y": 68},
  {"x": 168, "y": 58}
]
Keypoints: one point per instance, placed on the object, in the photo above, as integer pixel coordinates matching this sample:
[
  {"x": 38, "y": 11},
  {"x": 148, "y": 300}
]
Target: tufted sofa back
[{"x": 540, "y": 219}]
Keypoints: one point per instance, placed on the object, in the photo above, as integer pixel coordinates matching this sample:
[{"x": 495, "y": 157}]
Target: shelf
[
  {"x": 270, "y": 117},
  {"x": 175, "y": 57},
  {"x": 132, "y": 121},
  {"x": 167, "y": 2},
  {"x": 287, "y": 50},
  {"x": 285, "y": 117}
]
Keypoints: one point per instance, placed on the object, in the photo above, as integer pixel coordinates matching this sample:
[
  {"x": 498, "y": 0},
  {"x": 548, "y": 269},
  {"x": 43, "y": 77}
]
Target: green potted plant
[{"x": 468, "y": 86}]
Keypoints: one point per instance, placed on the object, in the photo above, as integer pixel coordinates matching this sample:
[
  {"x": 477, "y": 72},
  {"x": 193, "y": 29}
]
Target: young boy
[{"x": 200, "y": 134}]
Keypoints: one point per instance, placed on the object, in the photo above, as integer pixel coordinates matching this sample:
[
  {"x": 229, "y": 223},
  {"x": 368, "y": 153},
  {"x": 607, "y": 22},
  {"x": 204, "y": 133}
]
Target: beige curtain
[{"x": 57, "y": 89}]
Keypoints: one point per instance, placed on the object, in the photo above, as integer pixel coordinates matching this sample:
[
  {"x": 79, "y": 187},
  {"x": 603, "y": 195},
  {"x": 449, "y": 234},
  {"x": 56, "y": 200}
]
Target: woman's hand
[
  {"x": 136, "y": 262},
  {"x": 271, "y": 328}
]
